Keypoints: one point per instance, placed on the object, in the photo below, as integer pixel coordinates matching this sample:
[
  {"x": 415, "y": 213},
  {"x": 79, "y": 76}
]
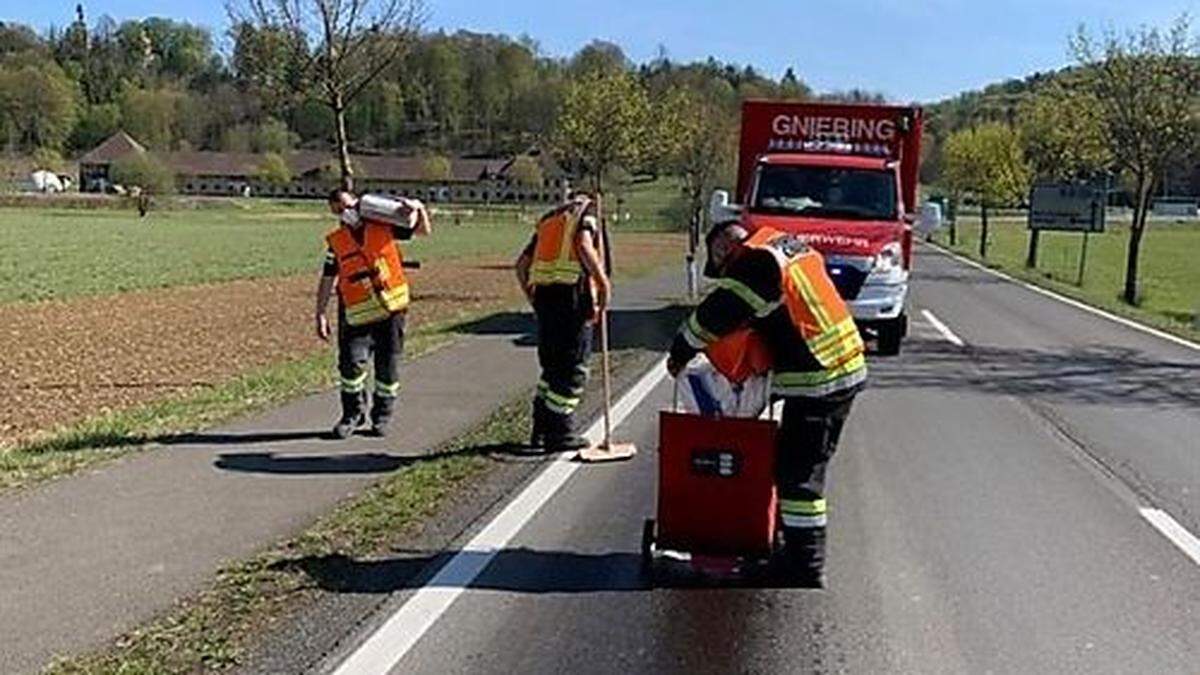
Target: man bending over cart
[{"x": 776, "y": 285}]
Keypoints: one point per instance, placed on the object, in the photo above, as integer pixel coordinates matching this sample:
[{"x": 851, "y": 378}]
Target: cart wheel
[{"x": 648, "y": 548}]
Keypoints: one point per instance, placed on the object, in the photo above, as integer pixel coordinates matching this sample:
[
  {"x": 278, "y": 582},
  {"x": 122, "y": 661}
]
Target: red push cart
[{"x": 717, "y": 504}]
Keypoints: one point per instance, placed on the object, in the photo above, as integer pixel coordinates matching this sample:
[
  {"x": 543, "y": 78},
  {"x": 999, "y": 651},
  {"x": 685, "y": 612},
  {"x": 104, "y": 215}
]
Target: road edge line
[
  {"x": 1176, "y": 533},
  {"x": 1129, "y": 323},
  {"x": 394, "y": 638},
  {"x": 942, "y": 328}
]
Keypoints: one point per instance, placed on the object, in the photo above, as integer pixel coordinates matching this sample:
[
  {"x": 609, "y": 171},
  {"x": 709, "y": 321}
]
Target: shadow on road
[
  {"x": 629, "y": 328},
  {"x": 247, "y": 438},
  {"x": 519, "y": 570},
  {"x": 1096, "y": 375},
  {"x": 363, "y": 462},
  {"x": 265, "y": 462}
]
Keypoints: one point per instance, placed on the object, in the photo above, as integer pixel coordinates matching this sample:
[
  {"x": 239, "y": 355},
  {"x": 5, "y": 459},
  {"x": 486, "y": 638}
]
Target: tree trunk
[
  {"x": 343, "y": 141},
  {"x": 1136, "y": 230},
  {"x": 983, "y": 230},
  {"x": 1031, "y": 260}
]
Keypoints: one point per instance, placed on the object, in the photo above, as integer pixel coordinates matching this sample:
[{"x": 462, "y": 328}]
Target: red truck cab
[{"x": 844, "y": 178}]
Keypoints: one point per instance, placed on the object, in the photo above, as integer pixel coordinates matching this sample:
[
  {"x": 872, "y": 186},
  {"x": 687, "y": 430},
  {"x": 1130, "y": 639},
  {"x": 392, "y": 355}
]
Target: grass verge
[
  {"x": 1170, "y": 278},
  {"x": 213, "y": 629}
]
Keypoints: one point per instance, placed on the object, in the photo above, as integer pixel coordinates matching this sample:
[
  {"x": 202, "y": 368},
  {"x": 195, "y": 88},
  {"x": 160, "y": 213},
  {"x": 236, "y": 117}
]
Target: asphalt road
[{"x": 992, "y": 510}]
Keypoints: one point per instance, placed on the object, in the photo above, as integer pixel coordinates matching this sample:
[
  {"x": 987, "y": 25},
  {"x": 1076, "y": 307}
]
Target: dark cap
[{"x": 710, "y": 270}]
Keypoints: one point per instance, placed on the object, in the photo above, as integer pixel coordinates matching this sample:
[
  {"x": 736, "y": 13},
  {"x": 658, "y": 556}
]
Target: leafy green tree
[
  {"x": 436, "y": 169},
  {"x": 274, "y": 170},
  {"x": 1144, "y": 84},
  {"x": 1063, "y": 133},
  {"x": 95, "y": 124},
  {"x": 48, "y": 160},
  {"x": 525, "y": 171},
  {"x": 697, "y": 136},
  {"x": 598, "y": 57},
  {"x": 152, "y": 116},
  {"x": 791, "y": 88},
  {"x": 353, "y": 43},
  {"x": 989, "y": 162},
  {"x": 273, "y": 136},
  {"x": 16, "y": 38},
  {"x": 269, "y": 62},
  {"x": 37, "y": 105},
  {"x": 603, "y": 124},
  {"x": 143, "y": 170}
]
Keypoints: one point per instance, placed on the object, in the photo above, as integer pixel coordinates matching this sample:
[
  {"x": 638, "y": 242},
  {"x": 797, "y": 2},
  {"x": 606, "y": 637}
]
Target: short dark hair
[
  {"x": 719, "y": 228},
  {"x": 335, "y": 195}
]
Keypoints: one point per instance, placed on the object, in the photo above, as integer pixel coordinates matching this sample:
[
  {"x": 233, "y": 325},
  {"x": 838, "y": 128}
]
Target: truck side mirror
[
  {"x": 720, "y": 209},
  {"x": 929, "y": 220}
]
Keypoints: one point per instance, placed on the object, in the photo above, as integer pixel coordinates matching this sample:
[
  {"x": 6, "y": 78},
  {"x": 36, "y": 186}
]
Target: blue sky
[{"x": 910, "y": 49}]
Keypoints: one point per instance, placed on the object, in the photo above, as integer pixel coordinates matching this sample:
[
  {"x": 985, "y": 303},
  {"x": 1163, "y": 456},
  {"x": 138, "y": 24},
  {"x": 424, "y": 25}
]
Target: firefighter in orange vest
[
  {"x": 775, "y": 284},
  {"x": 562, "y": 273},
  {"x": 364, "y": 262}
]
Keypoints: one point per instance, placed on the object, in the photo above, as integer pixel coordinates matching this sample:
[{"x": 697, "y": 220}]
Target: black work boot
[
  {"x": 352, "y": 416},
  {"x": 537, "y": 437},
  {"x": 561, "y": 435},
  {"x": 381, "y": 414},
  {"x": 801, "y": 562}
]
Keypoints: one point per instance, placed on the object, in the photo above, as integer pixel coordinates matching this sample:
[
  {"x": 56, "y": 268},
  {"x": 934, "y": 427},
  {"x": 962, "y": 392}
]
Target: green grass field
[
  {"x": 64, "y": 253},
  {"x": 1170, "y": 272}
]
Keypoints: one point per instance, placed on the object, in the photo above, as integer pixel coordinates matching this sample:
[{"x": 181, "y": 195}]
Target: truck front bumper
[{"x": 879, "y": 302}]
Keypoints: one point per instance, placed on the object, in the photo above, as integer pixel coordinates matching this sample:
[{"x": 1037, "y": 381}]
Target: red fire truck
[{"x": 843, "y": 177}]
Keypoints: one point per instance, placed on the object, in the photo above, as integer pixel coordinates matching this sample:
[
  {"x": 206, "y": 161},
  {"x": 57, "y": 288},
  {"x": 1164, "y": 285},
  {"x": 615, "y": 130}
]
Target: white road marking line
[
  {"x": 1130, "y": 323},
  {"x": 397, "y": 636},
  {"x": 1172, "y": 530},
  {"x": 943, "y": 329},
  {"x": 1160, "y": 520}
]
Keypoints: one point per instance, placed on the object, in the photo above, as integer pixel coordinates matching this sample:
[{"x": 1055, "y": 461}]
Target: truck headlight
[{"x": 890, "y": 258}]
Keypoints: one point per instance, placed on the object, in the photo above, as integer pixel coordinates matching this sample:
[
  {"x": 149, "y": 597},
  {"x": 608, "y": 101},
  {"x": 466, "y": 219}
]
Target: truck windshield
[{"x": 822, "y": 191}]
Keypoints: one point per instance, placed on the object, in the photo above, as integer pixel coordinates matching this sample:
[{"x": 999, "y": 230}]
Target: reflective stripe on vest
[
  {"x": 371, "y": 279},
  {"x": 818, "y": 313},
  {"x": 814, "y": 305},
  {"x": 555, "y": 260}
]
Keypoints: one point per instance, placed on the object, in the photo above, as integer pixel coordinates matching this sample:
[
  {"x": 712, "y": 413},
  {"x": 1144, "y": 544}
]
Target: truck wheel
[{"x": 890, "y": 335}]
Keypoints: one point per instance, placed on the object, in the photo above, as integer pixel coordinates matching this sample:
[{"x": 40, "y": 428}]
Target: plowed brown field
[{"x": 62, "y": 361}]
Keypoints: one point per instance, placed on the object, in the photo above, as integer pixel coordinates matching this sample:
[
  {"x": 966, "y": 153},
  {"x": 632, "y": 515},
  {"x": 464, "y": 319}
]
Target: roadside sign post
[
  {"x": 693, "y": 278},
  {"x": 1082, "y": 259},
  {"x": 1066, "y": 207}
]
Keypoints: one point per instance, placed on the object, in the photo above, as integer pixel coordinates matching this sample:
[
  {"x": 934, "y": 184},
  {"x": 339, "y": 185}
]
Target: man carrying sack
[
  {"x": 776, "y": 285},
  {"x": 561, "y": 271},
  {"x": 364, "y": 263}
]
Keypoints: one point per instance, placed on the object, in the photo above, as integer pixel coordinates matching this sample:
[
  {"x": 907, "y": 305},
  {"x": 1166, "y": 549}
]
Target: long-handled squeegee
[{"x": 606, "y": 450}]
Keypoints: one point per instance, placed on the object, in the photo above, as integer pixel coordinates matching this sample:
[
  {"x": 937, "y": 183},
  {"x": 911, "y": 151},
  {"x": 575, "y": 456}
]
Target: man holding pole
[{"x": 562, "y": 273}]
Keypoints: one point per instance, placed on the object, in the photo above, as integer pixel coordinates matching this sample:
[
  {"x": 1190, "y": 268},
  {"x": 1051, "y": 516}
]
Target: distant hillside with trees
[{"x": 165, "y": 83}]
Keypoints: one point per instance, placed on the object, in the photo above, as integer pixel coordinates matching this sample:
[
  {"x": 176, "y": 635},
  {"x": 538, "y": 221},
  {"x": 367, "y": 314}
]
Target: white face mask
[{"x": 349, "y": 217}]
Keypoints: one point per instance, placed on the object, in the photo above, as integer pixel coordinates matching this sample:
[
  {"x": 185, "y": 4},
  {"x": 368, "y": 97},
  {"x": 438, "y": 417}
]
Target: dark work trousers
[
  {"x": 384, "y": 340},
  {"x": 564, "y": 332},
  {"x": 808, "y": 438}
]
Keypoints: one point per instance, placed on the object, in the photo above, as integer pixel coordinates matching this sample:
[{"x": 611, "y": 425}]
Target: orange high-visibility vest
[
  {"x": 371, "y": 279},
  {"x": 555, "y": 258},
  {"x": 818, "y": 313},
  {"x": 740, "y": 355}
]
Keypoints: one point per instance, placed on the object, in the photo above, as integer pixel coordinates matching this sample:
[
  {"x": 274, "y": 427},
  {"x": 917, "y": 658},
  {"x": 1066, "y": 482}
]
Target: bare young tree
[
  {"x": 1145, "y": 85},
  {"x": 341, "y": 46}
]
